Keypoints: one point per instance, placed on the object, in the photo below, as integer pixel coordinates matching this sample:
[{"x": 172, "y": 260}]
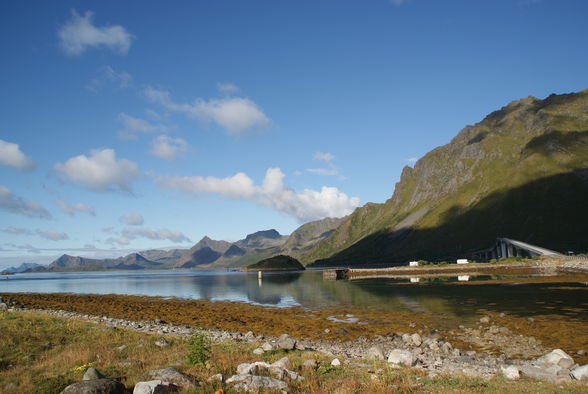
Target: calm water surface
[{"x": 308, "y": 289}]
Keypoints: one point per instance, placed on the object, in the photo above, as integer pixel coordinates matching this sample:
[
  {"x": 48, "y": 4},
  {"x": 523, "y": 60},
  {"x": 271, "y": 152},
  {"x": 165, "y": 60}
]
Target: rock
[
  {"x": 554, "y": 357},
  {"x": 95, "y": 386},
  {"x": 121, "y": 348},
  {"x": 161, "y": 342},
  {"x": 310, "y": 364},
  {"x": 154, "y": 387},
  {"x": 92, "y": 373},
  {"x": 252, "y": 368},
  {"x": 406, "y": 339},
  {"x": 416, "y": 339},
  {"x": 399, "y": 356},
  {"x": 510, "y": 372},
  {"x": 541, "y": 373},
  {"x": 3, "y": 306},
  {"x": 336, "y": 362},
  {"x": 286, "y": 342},
  {"x": 172, "y": 375},
  {"x": 249, "y": 335},
  {"x": 485, "y": 320},
  {"x": 581, "y": 352},
  {"x": 217, "y": 378},
  {"x": 268, "y": 347},
  {"x": 375, "y": 353},
  {"x": 580, "y": 373},
  {"x": 255, "y": 384},
  {"x": 566, "y": 363},
  {"x": 284, "y": 362},
  {"x": 258, "y": 351}
]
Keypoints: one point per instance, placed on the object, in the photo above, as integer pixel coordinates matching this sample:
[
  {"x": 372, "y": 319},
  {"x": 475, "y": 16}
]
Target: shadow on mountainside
[{"x": 551, "y": 212}]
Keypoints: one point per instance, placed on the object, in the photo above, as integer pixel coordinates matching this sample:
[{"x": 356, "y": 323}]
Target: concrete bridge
[{"x": 506, "y": 247}]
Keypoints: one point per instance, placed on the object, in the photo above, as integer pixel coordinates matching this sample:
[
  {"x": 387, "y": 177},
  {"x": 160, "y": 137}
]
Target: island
[{"x": 277, "y": 263}]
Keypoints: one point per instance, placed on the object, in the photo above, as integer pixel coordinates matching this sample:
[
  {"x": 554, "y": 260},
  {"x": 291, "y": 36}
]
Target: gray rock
[
  {"x": 406, "y": 339},
  {"x": 95, "y": 386},
  {"x": 286, "y": 342},
  {"x": 268, "y": 347},
  {"x": 310, "y": 364},
  {"x": 92, "y": 373},
  {"x": 554, "y": 357},
  {"x": 400, "y": 356},
  {"x": 121, "y": 348},
  {"x": 336, "y": 362},
  {"x": 580, "y": 373},
  {"x": 416, "y": 339},
  {"x": 510, "y": 372},
  {"x": 581, "y": 352},
  {"x": 161, "y": 342},
  {"x": 217, "y": 378},
  {"x": 172, "y": 375},
  {"x": 258, "y": 351},
  {"x": 252, "y": 383},
  {"x": 284, "y": 362},
  {"x": 541, "y": 373},
  {"x": 252, "y": 368},
  {"x": 566, "y": 363},
  {"x": 485, "y": 320},
  {"x": 375, "y": 353},
  {"x": 154, "y": 387},
  {"x": 3, "y": 306}
]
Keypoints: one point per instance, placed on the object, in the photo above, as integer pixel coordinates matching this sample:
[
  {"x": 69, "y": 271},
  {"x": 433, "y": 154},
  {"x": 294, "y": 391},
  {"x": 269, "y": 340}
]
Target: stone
[
  {"x": 3, "y": 306},
  {"x": 95, "y": 386},
  {"x": 92, "y": 373},
  {"x": 580, "y": 373},
  {"x": 255, "y": 384},
  {"x": 554, "y": 357},
  {"x": 310, "y": 364},
  {"x": 406, "y": 339},
  {"x": 375, "y": 353},
  {"x": 268, "y": 347},
  {"x": 154, "y": 387},
  {"x": 216, "y": 378},
  {"x": 172, "y": 375},
  {"x": 399, "y": 356},
  {"x": 258, "y": 351},
  {"x": 416, "y": 339},
  {"x": 541, "y": 373},
  {"x": 121, "y": 348},
  {"x": 161, "y": 342},
  {"x": 581, "y": 352},
  {"x": 485, "y": 320},
  {"x": 284, "y": 362},
  {"x": 335, "y": 362},
  {"x": 286, "y": 342},
  {"x": 252, "y": 368},
  {"x": 566, "y": 363},
  {"x": 510, "y": 372}
]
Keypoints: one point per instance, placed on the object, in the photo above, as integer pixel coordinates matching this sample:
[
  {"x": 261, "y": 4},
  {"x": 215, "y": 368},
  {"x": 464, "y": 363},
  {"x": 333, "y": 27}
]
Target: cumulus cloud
[
  {"x": 98, "y": 172},
  {"x": 17, "y": 230},
  {"x": 162, "y": 234},
  {"x": 306, "y": 205},
  {"x": 109, "y": 76},
  {"x": 79, "y": 33},
  {"x": 168, "y": 148},
  {"x": 11, "y": 155},
  {"x": 133, "y": 126},
  {"x": 132, "y": 219},
  {"x": 237, "y": 115},
  {"x": 15, "y": 204},
  {"x": 52, "y": 235},
  {"x": 71, "y": 209}
]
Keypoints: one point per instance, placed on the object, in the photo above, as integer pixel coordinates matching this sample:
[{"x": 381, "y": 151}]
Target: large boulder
[
  {"x": 510, "y": 372},
  {"x": 580, "y": 373},
  {"x": 95, "y": 386},
  {"x": 286, "y": 342},
  {"x": 92, "y": 373},
  {"x": 154, "y": 387},
  {"x": 172, "y": 375},
  {"x": 375, "y": 353},
  {"x": 555, "y": 357},
  {"x": 400, "y": 356},
  {"x": 255, "y": 384}
]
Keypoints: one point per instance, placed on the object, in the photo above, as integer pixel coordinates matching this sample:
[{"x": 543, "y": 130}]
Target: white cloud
[
  {"x": 79, "y": 33},
  {"x": 227, "y": 88},
  {"x": 132, "y": 126},
  {"x": 168, "y": 148},
  {"x": 52, "y": 235},
  {"x": 132, "y": 219},
  {"x": 162, "y": 234},
  {"x": 237, "y": 115},
  {"x": 71, "y": 209},
  {"x": 11, "y": 155},
  {"x": 109, "y": 76},
  {"x": 17, "y": 230},
  {"x": 99, "y": 172},
  {"x": 118, "y": 241},
  {"x": 324, "y": 156},
  {"x": 306, "y": 205},
  {"x": 324, "y": 171},
  {"x": 16, "y": 204}
]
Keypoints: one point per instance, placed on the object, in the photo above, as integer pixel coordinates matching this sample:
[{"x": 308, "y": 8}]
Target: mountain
[
  {"x": 276, "y": 263},
  {"x": 135, "y": 261},
  {"x": 309, "y": 234},
  {"x": 77, "y": 263},
  {"x": 206, "y": 251},
  {"x": 21, "y": 268},
  {"x": 234, "y": 251},
  {"x": 167, "y": 257},
  {"x": 522, "y": 173}
]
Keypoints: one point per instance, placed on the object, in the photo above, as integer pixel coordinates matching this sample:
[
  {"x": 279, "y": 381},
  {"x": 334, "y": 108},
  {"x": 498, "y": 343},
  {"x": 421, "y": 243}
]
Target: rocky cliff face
[{"x": 521, "y": 172}]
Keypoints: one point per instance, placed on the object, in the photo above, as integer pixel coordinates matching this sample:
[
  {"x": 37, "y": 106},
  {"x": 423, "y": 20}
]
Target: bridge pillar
[{"x": 503, "y": 252}]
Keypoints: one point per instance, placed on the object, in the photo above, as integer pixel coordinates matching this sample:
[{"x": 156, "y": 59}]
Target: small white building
[
  {"x": 463, "y": 278},
  {"x": 462, "y": 261},
  {"x": 413, "y": 264},
  {"x": 415, "y": 280}
]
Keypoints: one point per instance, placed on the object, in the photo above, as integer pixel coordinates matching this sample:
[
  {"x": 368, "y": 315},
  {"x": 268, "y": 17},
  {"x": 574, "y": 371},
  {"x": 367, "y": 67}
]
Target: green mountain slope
[{"x": 522, "y": 173}]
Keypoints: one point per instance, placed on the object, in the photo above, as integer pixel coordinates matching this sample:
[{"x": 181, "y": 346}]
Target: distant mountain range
[
  {"x": 206, "y": 254},
  {"x": 21, "y": 268}
]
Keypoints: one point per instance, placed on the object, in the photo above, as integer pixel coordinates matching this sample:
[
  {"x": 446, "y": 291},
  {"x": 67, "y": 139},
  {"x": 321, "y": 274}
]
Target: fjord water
[{"x": 446, "y": 296}]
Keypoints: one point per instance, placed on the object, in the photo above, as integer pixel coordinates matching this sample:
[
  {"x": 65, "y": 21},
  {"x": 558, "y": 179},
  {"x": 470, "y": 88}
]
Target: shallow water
[{"x": 455, "y": 296}]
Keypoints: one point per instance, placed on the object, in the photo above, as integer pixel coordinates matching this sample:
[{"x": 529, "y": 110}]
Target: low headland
[{"x": 276, "y": 263}]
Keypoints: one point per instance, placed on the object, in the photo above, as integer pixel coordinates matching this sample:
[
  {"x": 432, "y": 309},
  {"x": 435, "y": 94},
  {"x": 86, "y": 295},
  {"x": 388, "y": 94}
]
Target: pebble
[{"x": 336, "y": 362}]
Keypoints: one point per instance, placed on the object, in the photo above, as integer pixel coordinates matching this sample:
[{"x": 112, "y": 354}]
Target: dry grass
[{"x": 43, "y": 354}]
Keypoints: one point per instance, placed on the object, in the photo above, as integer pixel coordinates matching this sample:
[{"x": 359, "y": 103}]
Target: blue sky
[{"x": 134, "y": 125}]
